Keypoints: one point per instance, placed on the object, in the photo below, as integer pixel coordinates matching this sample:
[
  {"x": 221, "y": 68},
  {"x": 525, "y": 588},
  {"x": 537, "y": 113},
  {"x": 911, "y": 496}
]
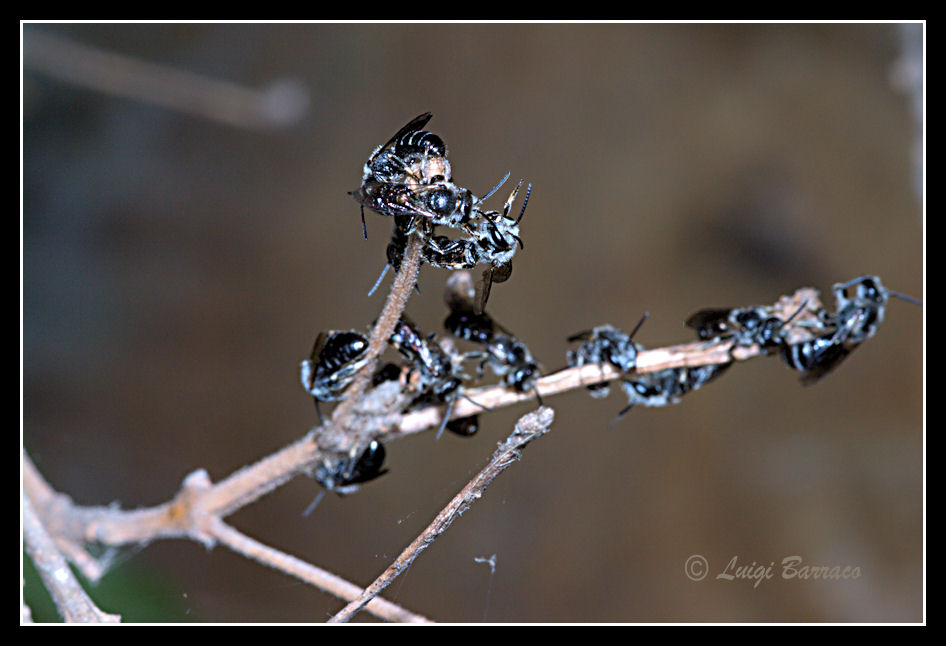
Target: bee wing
[
  {"x": 579, "y": 336},
  {"x": 709, "y": 322},
  {"x": 413, "y": 125},
  {"x": 318, "y": 345},
  {"x": 493, "y": 274},
  {"x": 830, "y": 360}
]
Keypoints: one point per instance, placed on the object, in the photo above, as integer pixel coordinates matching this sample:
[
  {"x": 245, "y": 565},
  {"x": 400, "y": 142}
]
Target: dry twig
[
  {"x": 196, "y": 512},
  {"x": 309, "y": 573},
  {"x": 73, "y": 603},
  {"x": 281, "y": 104},
  {"x": 528, "y": 428}
]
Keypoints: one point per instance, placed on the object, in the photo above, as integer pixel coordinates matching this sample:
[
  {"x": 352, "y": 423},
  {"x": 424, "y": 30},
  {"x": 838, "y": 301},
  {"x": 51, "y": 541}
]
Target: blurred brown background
[{"x": 177, "y": 269}]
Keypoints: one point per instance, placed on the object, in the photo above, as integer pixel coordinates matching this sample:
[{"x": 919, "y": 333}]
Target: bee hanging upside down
[
  {"x": 507, "y": 356},
  {"x": 344, "y": 476}
]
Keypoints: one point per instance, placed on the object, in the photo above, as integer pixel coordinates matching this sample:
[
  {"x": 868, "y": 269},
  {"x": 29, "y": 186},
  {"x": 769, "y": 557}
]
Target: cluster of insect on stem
[
  {"x": 409, "y": 179},
  {"x": 829, "y": 337}
]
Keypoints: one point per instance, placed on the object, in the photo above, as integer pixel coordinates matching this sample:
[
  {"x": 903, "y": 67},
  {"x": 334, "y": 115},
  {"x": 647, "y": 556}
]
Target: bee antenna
[
  {"x": 495, "y": 188},
  {"x": 904, "y": 297},
  {"x": 638, "y": 326},
  {"x": 524, "y": 203}
]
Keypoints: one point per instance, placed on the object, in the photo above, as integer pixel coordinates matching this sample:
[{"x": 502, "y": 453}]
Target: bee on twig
[
  {"x": 856, "y": 319},
  {"x": 336, "y": 357},
  {"x": 605, "y": 344},
  {"x": 346, "y": 475},
  {"x": 507, "y": 356}
]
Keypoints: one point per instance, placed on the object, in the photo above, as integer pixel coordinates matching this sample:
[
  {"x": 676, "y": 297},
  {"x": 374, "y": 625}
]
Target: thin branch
[
  {"x": 528, "y": 428},
  {"x": 199, "y": 500},
  {"x": 71, "y": 600},
  {"x": 198, "y": 507},
  {"x": 192, "y": 514},
  {"x": 283, "y": 103},
  {"x": 309, "y": 573},
  {"x": 200, "y": 504},
  {"x": 691, "y": 355},
  {"x": 338, "y": 436}
]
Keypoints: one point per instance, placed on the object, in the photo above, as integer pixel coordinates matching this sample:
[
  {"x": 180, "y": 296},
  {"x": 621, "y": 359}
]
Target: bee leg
[
  {"x": 621, "y": 414},
  {"x": 378, "y": 282},
  {"x": 314, "y": 503},
  {"x": 538, "y": 397},
  {"x": 446, "y": 417},
  {"x": 486, "y": 408}
]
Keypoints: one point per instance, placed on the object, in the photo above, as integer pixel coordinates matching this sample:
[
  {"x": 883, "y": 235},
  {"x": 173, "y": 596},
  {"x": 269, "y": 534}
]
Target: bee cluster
[
  {"x": 410, "y": 179},
  {"x": 430, "y": 373},
  {"x": 829, "y": 338}
]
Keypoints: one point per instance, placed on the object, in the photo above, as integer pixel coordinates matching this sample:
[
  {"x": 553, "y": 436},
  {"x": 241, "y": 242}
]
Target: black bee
[
  {"x": 818, "y": 356},
  {"x": 336, "y": 358},
  {"x": 869, "y": 297},
  {"x": 605, "y": 344},
  {"x": 857, "y": 318},
  {"x": 409, "y": 178},
  {"x": 493, "y": 240},
  {"x": 747, "y": 325},
  {"x": 507, "y": 356},
  {"x": 410, "y": 175},
  {"x": 344, "y": 476},
  {"x": 399, "y": 171},
  {"x": 434, "y": 373},
  {"x": 666, "y": 387},
  {"x": 411, "y": 155}
]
